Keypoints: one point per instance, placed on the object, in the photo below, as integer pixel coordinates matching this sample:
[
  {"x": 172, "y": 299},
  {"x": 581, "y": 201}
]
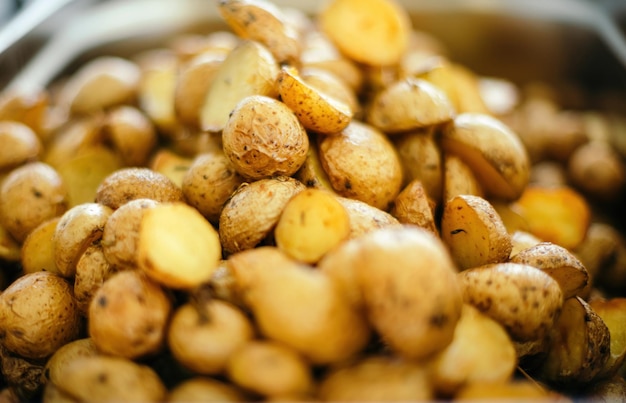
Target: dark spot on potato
[
  {"x": 348, "y": 184},
  {"x": 102, "y": 301},
  {"x": 102, "y": 378},
  {"x": 457, "y": 231},
  {"x": 439, "y": 320}
]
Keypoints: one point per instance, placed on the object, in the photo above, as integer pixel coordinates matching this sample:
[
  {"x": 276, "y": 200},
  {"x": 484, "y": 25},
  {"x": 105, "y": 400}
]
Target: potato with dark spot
[
  {"x": 202, "y": 389},
  {"x": 128, "y": 315},
  {"x": 38, "y": 315},
  {"x": 365, "y": 217},
  {"x": 92, "y": 270},
  {"x": 522, "y": 298},
  {"x": 56, "y": 364}
]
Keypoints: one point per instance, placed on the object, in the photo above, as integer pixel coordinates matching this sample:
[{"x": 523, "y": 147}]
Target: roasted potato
[{"x": 20, "y": 144}]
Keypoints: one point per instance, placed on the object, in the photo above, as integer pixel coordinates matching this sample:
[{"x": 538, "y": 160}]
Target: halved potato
[
  {"x": 414, "y": 206},
  {"x": 459, "y": 179}
]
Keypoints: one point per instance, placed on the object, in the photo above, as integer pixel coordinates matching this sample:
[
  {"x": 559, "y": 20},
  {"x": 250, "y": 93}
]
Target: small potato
[
  {"x": 131, "y": 183},
  {"x": 331, "y": 84},
  {"x": 474, "y": 232},
  {"x": 56, "y": 364},
  {"x": 481, "y": 351},
  {"x": 78, "y": 134},
  {"x": 133, "y": 135},
  {"x": 203, "y": 335},
  {"x": 92, "y": 270},
  {"x": 203, "y": 389},
  {"x": 377, "y": 378},
  {"x": 171, "y": 164},
  {"x": 559, "y": 214},
  {"x": 264, "y": 138},
  {"x": 365, "y": 218},
  {"x": 409, "y": 104},
  {"x": 459, "y": 179},
  {"x": 312, "y": 223},
  {"x": 10, "y": 249},
  {"x": 27, "y": 107},
  {"x": 598, "y": 248},
  {"x": 492, "y": 150},
  {"x": 38, "y": 315},
  {"x": 104, "y": 378},
  {"x": 522, "y": 298},
  {"x": 270, "y": 369},
  {"x": 156, "y": 89},
  {"x": 267, "y": 279},
  {"x": 187, "y": 46},
  {"x": 253, "y": 210},
  {"x": 128, "y": 315},
  {"x": 559, "y": 263},
  {"x": 101, "y": 83},
  {"x": 579, "y": 346},
  {"x": 249, "y": 69},
  {"x": 598, "y": 170},
  {"x": 20, "y": 144},
  {"x": 511, "y": 216},
  {"x": 177, "y": 246},
  {"x": 522, "y": 240},
  {"x": 613, "y": 314},
  {"x": 311, "y": 173},
  {"x": 223, "y": 286},
  {"x": 377, "y": 181},
  {"x": 37, "y": 251},
  {"x": 263, "y": 21},
  {"x": 29, "y": 195},
  {"x": 77, "y": 228},
  {"x": 316, "y": 110},
  {"x": 374, "y": 32},
  {"x": 413, "y": 206},
  {"x": 120, "y": 236}
]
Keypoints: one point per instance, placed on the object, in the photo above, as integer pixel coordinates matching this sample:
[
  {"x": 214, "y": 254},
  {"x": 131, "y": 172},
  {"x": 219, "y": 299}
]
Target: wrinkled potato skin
[
  {"x": 65, "y": 355},
  {"x": 92, "y": 270},
  {"x": 204, "y": 389}
]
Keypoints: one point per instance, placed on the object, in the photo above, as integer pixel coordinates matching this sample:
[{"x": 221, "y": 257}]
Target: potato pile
[{"x": 307, "y": 207}]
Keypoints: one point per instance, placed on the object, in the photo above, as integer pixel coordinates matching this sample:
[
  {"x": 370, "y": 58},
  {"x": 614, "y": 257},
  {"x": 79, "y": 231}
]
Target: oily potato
[
  {"x": 612, "y": 312},
  {"x": 414, "y": 206},
  {"x": 20, "y": 144},
  {"x": 56, "y": 364},
  {"x": 459, "y": 179},
  {"x": 37, "y": 250},
  {"x": 92, "y": 270}
]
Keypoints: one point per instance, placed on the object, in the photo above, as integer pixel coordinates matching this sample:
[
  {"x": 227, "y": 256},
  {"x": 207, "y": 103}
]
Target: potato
[
  {"x": 579, "y": 346},
  {"x": 316, "y": 110},
  {"x": 177, "y": 246},
  {"x": 500, "y": 95},
  {"x": 264, "y": 138},
  {"x": 474, "y": 232},
  {"x": 27, "y": 107},
  {"x": 187, "y": 46},
  {"x": 613, "y": 312},
  {"x": 559, "y": 263},
  {"x": 37, "y": 250},
  {"x": 481, "y": 351},
  {"x": 607, "y": 390},
  {"x": 10, "y": 249},
  {"x": 334, "y": 86},
  {"x": 21, "y": 377},
  {"x": 29, "y": 195},
  {"x": 270, "y": 368},
  {"x": 253, "y": 210},
  {"x": 414, "y": 206},
  {"x": 519, "y": 390},
  {"x": 378, "y": 181},
  {"x": 421, "y": 159},
  {"x": 264, "y": 22},
  {"x": 312, "y": 223},
  {"x": 170, "y": 164},
  {"x": 20, "y": 144},
  {"x": 375, "y": 32},
  {"x": 492, "y": 150},
  {"x": 133, "y": 135},
  {"x": 559, "y": 214},
  {"x": 131, "y": 183},
  {"x": 156, "y": 89},
  {"x": 92, "y": 270},
  {"x": 120, "y": 234},
  {"x": 522, "y": 298},
  {"x": 365, "y": 218},
  {"x": 223, "y": 286},
  {"x": 511, "y": 216},
  {"x": 311, "y": 173},
  {"x": 320, "y": 324},
  {"x": 548, "y": 174},
  {"x": 78, "y": 134},
  {"x": 56, "y": 364},
  {"x": 598, "y": 248},
  {"x": 409, "y": 104},
  {"x": 598, "y": 170},
  {"x": 203, "y": 335},
  {"x": 522, "y": 240},
  {"x": 105, "y": 378},
  {"x": 77, "y": 228},
  {"x": 38, "y": 314},
  {"x": 377, "y": 378},
  {"x": 128, "y": 315},
  {"x": 101, "y": 83},
  {"x": 249, "y": 69},
  {"x": 203, "y": 389},
  {"x": 459, "y": 179}
]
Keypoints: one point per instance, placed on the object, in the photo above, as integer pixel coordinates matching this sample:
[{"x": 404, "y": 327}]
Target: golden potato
[
  {"x": 519, "y": 390},
  {"x": 56, "y": 364},
  {"x": 27, "y": 107},
  {"x": 20, "y": 144},
  {"x": 223, "y": 286},
  {"x": 177, "y": 246},
  {"x": 312, "y": 223},
  {"x": 511, "y": 216},
  {"x": 414, "y": 206},
  {"x": 128, "y": 315},
  {"x": 79, "y": 133},
  {"x": 365, "y": 218},
  {"x": 10, "y": 249},
  {"x": 522, "y": 240},
  {"x": 311, "y": 173},
  {"x": 203, "y": 389},
  {"x": 522, "y": 298},
  {"x": 170, "y": 164},
  {"x": 29, "y": 195},
  {"x": 38, "y": 315},
  {"x": 613, "y": 312},
  {"x": 459, "y": 179},
  {"x": 187, "y": 46},
  {"x": 203, "y": 335},
  {"x": 37, "y": 250},
  {"x": 331, "y": 84},
  {"x": 362, "y": 164},
  {"x": 133, "y": 135},
  {"x": 474, "y": 232},
  {"x": 92, "y": 270},
  {"x": 598, "y": 170}
]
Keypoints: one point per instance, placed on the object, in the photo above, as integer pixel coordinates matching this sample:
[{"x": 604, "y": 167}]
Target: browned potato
[
  {"x": 37, "y": 251},
  {"x": 264, "y": 138},
  {"x": 20, "y": 144},
  {"x": 29, "y": 195},
  {"x": 128, "y": 315},
  {"x": 92, "y": 270},
  {"x": 459, "y": 179},
  {"x": 362, "y": 164},
  {"x": 177, "y": 246},
  {"x": 203, "y": 335},
  {"x": 170, "y": 164},
  {"x": 559, "y": 263},
  {"x": 38, "y": 315},
  {"x": 78, "y": 134},
  {"x": 613, "y": 314},
  {"x": 374, "y": 32},
  {"x": 29, "y": 108},
  {"x": 414, "y": 206},
  {"x": 474, "y": 232},
  {"x": 598, "y": 170},
  {"x": 128, "y": 184},
  {"x": 133, "y": 135},
  {"x": 365, "y": 218},
  {"x": 270, "y": 368},
  {"x": 203, "y": 389},
  {"x": 253, "y": 210},
  {"x": 492, "y": 150},
  {"x": 77, "y": 228},
  {"x": 56, "y": 364},
  {"x": 522, "y": 298},
  {"x": 10, "y": 249}
]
